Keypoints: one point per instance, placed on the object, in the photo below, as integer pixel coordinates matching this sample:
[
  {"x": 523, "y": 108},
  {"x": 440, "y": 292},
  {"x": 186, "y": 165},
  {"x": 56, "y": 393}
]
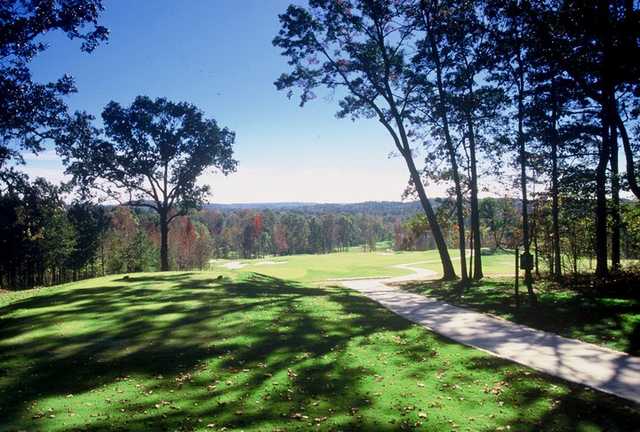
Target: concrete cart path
[{"x": 580, "y": 362}]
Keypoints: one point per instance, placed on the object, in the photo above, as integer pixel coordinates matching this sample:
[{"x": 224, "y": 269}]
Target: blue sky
[{"x": 218, "y": 55}]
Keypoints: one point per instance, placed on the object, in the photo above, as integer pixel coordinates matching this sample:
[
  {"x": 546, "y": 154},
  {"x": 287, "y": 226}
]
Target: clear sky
[{"x": 218, "y": 55}]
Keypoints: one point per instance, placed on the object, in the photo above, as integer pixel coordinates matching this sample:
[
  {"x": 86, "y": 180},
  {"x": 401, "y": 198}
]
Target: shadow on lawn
[
  {"x": 611, "y": 322},
  {"x": 138, "y": 329},
  {"x": 127, "y": 334}
]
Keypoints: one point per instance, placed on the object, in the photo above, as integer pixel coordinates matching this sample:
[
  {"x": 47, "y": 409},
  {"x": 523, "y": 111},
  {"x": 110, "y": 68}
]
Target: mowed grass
[
  {"x": 319, "y": 268},
  {"x": 190, "y": 351},
  {"x": 499, "y": 263},
  {"x": 354, "y": 263}
]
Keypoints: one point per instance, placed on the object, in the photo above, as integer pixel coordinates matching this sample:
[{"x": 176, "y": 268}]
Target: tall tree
[
  {"x": 475, "y": 100},
  {"x": 511, "y": 33},
  {"x": 555, "y": 193},
  {"x": 552, "y": 95},
  {"x": 150, "y": 154},
  {"x": 358, "y": 48},
  {"x": 434, "y": 59}
]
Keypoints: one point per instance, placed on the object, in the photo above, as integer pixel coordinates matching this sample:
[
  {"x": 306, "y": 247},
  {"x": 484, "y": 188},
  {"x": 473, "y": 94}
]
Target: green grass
[
  {"x": 319, "y": 268},
  {"x": 189, "y": 351},
  {"x": 611, "y": 322},
  {"x": 355, "y": 263},
  {"x": 499, "y": 263}
]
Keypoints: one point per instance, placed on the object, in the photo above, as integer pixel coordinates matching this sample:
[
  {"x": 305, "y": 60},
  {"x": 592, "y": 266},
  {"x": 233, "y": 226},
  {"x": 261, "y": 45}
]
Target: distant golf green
[{"x": 254, "y": 352}]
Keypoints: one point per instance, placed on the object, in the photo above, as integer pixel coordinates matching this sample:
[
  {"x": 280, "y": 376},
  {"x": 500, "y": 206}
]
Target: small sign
[{"x": 526, "y": 261}]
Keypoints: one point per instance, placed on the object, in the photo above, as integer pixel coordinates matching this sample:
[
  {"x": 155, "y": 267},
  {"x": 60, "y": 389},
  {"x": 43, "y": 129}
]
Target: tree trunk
[
  {"x": 517, "y": 280},
  {"x": 528, "y": 278},
  {"x": 164, "y": 241},
  {"x": 630, "y": 17},
  {"x": 442, "y": 113},
  {"x": 475, "y": 214},
  {"x": 628, "y": 155},
  {"x": 615, "y": 201},
  {"x": 448, "y": 272},
  {"x": 601, "y": 197},
  {"x": 608, "y": 108},
  {"x": 534, "y": 228},
  {"x": 102, "y": 255},
  {"x": 522, "y": 155},
  {"x": 471, "y": 254},
  {"x": 460, "y": 218},
  {"x": 555, "y": 209}
]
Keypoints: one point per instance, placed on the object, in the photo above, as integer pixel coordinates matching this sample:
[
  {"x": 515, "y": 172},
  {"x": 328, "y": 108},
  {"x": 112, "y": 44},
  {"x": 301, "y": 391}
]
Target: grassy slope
[
  {"x": 611, "y": 322},
  {"x": 186, "y": 351}
]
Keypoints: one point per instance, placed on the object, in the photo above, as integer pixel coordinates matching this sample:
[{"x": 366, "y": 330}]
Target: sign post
[{"x": 526, "y": 261}]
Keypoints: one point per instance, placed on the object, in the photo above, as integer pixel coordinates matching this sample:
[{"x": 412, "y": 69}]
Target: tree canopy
[{"x": 149, "y": 154}]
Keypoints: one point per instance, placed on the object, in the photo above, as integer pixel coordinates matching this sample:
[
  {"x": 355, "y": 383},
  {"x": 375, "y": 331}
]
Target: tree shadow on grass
[
  {"x": 190, "y": 351},
  {"x": 131, "y": 328},
  {"x": 606, "y": 321},
  {"x": 579, "y": 409}
]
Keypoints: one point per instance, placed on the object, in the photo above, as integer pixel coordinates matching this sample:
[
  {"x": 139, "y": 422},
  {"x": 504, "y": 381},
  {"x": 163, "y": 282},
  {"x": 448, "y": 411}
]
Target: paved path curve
[{"x": 580, "y": 362}]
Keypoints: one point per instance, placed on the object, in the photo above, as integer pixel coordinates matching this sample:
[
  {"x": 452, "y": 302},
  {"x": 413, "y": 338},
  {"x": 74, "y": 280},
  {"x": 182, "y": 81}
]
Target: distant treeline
[
  {"x": 379, "y": 208},
  {"x": 44, "y": 241},
  {"x": 255, "y": 233}
]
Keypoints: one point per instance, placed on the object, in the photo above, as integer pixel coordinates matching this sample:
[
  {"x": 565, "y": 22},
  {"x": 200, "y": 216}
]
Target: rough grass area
[
  {"x": 189, "y": 351},
  {"x": 608, "y": 321}
]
